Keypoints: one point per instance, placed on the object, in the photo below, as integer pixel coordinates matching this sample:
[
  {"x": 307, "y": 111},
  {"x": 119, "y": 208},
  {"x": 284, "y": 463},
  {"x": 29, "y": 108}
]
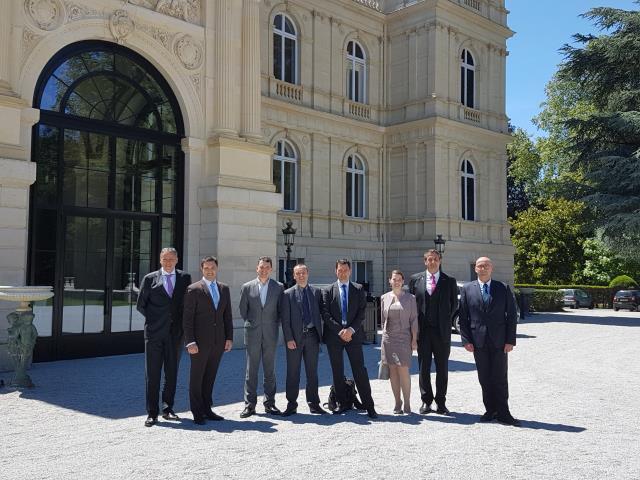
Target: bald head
[{"x": 484, "y": 268}]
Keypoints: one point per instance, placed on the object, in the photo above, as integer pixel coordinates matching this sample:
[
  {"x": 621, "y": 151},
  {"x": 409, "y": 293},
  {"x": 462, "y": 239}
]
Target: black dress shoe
[
  {"x": 199, "y": 421},
  {"x": 150, "y": 421},
  {"x": 443, "y": 410},
  {"x": 169, "y": 414},
  {"x": 316, "y": 408},
  {"x": 371, "y": 412},
  {"x": 509, "y": 420},
  {"x": 272, "y": 410},
  {"x": 339, "y": 410},
  {"x": 425, "y": 408},
  {"x": 213, "y": 416},
  {"x": 248, "y": 411},
  {"x": 488, "y": 416},
  {"x": 289, "y": 411}
]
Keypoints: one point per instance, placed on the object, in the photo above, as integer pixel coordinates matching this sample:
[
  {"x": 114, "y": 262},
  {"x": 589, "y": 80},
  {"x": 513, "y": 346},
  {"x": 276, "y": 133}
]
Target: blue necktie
[
  {"x": 485, "y": 293},
  {"x": 215, "y": 294},
  {"x": 306, "y": 307},
  {"x": 344, "y": 303}
]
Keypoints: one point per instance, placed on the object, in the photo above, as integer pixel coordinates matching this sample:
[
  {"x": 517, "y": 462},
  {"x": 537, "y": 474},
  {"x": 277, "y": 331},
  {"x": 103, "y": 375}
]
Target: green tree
[
  {"x": 605, "y": 137},
  {"x": 548, "y": 242}
]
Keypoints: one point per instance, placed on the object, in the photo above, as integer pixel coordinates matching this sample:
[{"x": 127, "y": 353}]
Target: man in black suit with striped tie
[{"x": 488, "y": 321}]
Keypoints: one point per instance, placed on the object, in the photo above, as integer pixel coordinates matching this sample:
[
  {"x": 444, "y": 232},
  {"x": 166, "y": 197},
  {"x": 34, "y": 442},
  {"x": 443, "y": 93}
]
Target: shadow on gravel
[
  {"x": 460, "y": 418},
  {"x": 583, "y": 319},
  {"x": 225, "y": 426},
  {"x": 553, "y": 427}
]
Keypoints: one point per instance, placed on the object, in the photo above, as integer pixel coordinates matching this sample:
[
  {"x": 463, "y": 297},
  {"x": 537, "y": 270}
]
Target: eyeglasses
[{"x": 483, "y": 265}]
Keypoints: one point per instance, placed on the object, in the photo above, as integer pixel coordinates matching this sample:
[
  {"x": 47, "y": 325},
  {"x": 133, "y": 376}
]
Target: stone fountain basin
[{"x": 25, "y": 294}]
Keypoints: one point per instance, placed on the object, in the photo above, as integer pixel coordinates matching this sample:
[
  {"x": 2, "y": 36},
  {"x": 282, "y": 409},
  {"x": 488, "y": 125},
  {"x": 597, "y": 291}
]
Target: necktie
[
  {"x": 344, "y": 303},
  {"x": 485, "y": 293},
  {"x": 432, "y": 284},
  {"x": 215, "y": 294},
  {"x": 169, "y": 285},
  {"x": 306, "y": 307}
]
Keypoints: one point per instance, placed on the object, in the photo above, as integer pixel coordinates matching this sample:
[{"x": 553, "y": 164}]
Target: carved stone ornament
[
  {"x": 188, "y": 51},
  {"x": 45, "y": 14},
  {"x": 121, "y": 25},
  {"x": 187, "y": 10}
]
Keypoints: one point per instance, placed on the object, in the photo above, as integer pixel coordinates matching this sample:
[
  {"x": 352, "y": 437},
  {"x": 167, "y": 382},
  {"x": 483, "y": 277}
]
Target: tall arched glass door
[{"x": 107, "y": 197}]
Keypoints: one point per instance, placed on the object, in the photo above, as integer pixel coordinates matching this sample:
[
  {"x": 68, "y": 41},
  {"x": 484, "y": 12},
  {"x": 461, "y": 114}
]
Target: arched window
[
  {"x": 356, "y": 73},
  {"x": 467, "y": 79},
  {"x": 285, "y": 173},
  {"x": 355, "y": 187},
  {"x": 285, "y": 49},
  {"x": 108, "y": 194},
  {"x": 468, "y": 191}
]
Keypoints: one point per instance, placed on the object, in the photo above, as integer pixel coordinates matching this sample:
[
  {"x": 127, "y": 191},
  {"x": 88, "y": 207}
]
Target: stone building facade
[{"x": 126, "y": 126}]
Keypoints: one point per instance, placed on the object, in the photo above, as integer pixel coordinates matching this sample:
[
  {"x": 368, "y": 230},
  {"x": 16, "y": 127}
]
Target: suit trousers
[
  {"x": 360, "y": 375},
  {"x": 159, "y": 353},
  {"x": 491, "y": 363},
  {"x": 308, "y": 349},
  {"x": 431, "y": 346},
  {"x": 204, "y": 368},
  {"x": 260, "y": 349}
]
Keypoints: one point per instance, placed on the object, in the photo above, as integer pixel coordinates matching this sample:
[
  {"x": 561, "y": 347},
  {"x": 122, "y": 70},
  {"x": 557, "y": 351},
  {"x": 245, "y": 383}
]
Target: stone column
[
  {"x": 251, "y": 97},
  {"x": 226, "y": 68},
  {"x": 5, "y": 46}
]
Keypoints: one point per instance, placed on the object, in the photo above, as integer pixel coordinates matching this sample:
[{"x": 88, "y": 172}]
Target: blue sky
[{"x": 542, "y": 27}]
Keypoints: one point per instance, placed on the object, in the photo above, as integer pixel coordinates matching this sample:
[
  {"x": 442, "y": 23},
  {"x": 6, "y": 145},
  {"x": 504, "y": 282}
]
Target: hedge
[{"x": 546, "y": 301}]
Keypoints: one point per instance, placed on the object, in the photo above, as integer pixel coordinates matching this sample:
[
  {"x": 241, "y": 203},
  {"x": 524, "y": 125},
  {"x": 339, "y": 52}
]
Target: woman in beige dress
[{"x": 399, "y": 338}]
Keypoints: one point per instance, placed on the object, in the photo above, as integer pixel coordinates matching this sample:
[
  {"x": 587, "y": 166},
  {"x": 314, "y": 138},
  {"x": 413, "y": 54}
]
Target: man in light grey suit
[
  {"x": 261, "y": 308},
  {"x": 302, "y": 329}
]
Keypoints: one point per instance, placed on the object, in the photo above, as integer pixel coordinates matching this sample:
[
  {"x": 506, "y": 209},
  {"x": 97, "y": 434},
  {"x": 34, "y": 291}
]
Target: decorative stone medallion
[
  {"x": 121, "y": 25},
  {"x": 45, "y": 14},
  {"x": 188, "y": 51}
]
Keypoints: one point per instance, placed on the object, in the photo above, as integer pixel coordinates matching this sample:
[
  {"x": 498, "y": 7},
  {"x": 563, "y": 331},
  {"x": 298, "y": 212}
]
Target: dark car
[
  {"x": 627, "y": 299},
  {"x": 455, "y": 320},
  {"x": 576, "y": 298}
]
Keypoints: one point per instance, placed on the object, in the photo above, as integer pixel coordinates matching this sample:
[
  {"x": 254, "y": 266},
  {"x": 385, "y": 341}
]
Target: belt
[{"x": 306, "y": 330}]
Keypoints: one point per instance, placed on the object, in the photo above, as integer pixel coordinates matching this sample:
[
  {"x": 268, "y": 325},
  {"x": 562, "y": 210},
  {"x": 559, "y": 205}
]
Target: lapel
[
  {"x": 160, "y": 284},
  {"x": 299, "y": 299},
  {"x": 271, "y": 288},
  {"x": 207, "y": 293},
  {"x": 352, "y": 295},
  {"x": 478, "y": 288}
]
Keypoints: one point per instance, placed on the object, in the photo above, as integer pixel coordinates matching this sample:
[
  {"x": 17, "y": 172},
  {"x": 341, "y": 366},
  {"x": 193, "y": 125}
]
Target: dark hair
[
  {"x": 432, "y": 251},
  {"x": 300, "y": 265},
  {"x": 207, "y": 259},
  {"x": 343, "y": 261},
  {"x": 396, "y": 272},
  {"x": 266, "y": 260}
]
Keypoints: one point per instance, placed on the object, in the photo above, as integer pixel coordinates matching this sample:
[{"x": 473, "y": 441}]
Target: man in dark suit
[
  {"x": 436, "y": 298},
  {"x": 302, "y": 329},
  {"x": 160, "y": 301},
  {"x": 488, "y": 322},
  {"x": 208, "y": 332},
  {"x": 261, "y": 309},
  {"x": 343, "y": 310}
]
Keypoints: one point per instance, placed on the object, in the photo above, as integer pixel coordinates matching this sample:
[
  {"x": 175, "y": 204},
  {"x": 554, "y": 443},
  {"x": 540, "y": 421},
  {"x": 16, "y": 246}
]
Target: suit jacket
[
  {"x": 494, "y": 321},
  {"x": 332, "y": 313},
  {"x": 447, "y": 299},
  {"x": 203, "y": 323},
  {"x": 259, "y": 321},
  {"x": 162, "y": 313},
  {"x": 292, "y": 321}
]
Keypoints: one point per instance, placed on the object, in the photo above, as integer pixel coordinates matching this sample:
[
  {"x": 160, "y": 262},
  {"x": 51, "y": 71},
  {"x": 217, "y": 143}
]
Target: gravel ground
[{"x": 573, "y": 383}]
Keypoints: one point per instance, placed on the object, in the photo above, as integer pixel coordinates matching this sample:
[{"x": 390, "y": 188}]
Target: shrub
[
  {"x": 621, "y": 282},
  {"x": 546, "y": 301}
]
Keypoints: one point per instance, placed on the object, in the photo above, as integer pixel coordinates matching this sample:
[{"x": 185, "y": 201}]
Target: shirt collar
[
  {"x": 209, "y": 283},
  {"x": 164, "y": 272},
  {"x": 488, "y": 282},
  {"x": 341, "y": 283},
  {"x": 265, "y": 283}
]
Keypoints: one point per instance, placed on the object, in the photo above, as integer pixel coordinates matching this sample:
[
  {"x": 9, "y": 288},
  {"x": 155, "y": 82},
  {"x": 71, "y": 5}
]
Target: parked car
[
  {"x": 455, "y": 320},
  {"x": 576, "y": 298},
  {"x": 627, "y": 299}
]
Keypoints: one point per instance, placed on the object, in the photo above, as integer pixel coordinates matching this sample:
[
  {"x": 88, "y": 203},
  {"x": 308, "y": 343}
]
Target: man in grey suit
[
  {"x": 302, "y": 329},
  {"x": 261, "y": 309},
  {"x": 488, "y": 322}
]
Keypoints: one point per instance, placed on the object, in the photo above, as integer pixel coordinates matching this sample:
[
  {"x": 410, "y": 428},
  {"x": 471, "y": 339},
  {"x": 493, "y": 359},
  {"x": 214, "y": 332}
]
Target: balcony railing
[
  {"x": 359, "y": 110},
  {"x": 369, "y": 3},
  {"x": 289, "y": 91},
  {"x": 475, "y": 4},
  {"x": 471, "y": 115}
]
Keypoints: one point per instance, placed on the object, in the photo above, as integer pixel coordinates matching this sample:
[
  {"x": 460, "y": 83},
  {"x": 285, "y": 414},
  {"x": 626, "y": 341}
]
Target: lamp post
[
  {"x": 439, "y": 243},
  {"x": 289, "y": 234}
]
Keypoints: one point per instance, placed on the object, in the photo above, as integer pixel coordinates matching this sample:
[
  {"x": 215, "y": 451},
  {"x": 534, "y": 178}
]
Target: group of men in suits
[{"x": 175, "y": 309}]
